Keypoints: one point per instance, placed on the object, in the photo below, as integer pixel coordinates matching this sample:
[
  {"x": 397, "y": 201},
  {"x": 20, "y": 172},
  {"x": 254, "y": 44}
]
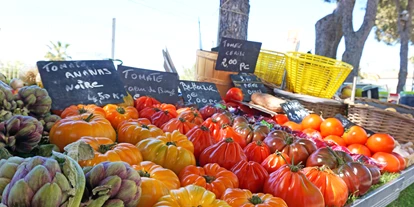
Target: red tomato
[
  {"x": 234, "y": 94},
  {"x": 280, "y": 119},
  {"x": 331, "y": 126},
  {"x": 336, "y": 139},
  {"x": 256, "y": 151},
  {"x": 355, "y": 135},
  {"x": 359, "y": 149},
  {"x": 391, "y": 162},
  {"x": 290, "y": 184},
  {"x": 312, "y": 121},
  {"x": 380, "y": 143},
  {"x": 293, "y": 126},
  {"x": 403, "y": 163},
  {"x": 251, "y": 175},
  {"x": 312, "y": 133}
]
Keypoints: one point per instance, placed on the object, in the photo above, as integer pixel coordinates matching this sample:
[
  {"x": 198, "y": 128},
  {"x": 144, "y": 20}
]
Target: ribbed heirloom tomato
[
  {"x": 211, "y": 177},
  {"x": 117, "y": 114},
  {"x": 380, "y": 143},
  {"x": 237, "y": 197},
  {"x": 331, "y": 126}
]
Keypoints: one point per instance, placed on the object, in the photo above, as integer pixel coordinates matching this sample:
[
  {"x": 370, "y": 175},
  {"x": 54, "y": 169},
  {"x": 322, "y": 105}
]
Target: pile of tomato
[{"x": 377, "y": 146}]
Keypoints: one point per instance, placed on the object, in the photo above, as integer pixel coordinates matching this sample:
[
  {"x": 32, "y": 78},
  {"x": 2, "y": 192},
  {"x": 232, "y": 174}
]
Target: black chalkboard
[
  {"x": 138, "y": 82},
  {"x": 348, "y": 124},
  {"x": 81, "y": 82},
  {"x": 199, "y": 93},
  {"x": 294, "y": 110},
  {"x": 249, "y": 84},
  {"x": 237, "y": 55}
]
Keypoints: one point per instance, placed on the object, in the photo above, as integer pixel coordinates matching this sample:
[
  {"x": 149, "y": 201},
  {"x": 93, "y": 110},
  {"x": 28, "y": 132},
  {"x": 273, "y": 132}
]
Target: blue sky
[{"x": 145, "y": 27}]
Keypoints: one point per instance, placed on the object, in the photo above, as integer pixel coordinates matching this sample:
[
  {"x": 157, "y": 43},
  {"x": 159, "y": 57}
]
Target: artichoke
[
  {"x": 8, "y": 168},
  {"x": 112, "y": 184},
  {"x": 48, "y": 121},
  {"x": 41, "y": 181},
  {"x": 20, "y": 133},
  {"x": 7, "y": 99},
  {"x": 35, "y": 99}
]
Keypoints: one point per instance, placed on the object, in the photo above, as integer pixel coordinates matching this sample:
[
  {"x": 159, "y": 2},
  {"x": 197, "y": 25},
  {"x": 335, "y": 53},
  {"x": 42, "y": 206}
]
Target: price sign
[
  {"x": 199, "y": 93},
  {"x": 249, "y": 83},
  {"x": 81, "y": 82},
  {"x": 237, "y": 55},
  {"x": 295, "y": 111},
  {"x": 138, "y": 82}
]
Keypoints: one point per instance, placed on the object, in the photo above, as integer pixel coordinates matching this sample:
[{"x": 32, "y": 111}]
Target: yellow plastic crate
[
  {"x": 270, "y": 66},
  {"x": 315, "y": 75}
]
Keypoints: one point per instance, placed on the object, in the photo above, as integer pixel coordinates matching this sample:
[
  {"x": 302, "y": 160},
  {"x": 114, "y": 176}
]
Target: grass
[{"x": 406, "y": 198}]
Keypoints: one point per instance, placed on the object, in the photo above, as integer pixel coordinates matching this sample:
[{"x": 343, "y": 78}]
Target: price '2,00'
[{"x": 226, "y": 64}]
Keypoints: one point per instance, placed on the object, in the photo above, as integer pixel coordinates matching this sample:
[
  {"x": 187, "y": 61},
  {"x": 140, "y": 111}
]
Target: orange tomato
[
  {"x": 293, "y": 126},
  {"x": 380, "y": 143},
  {"x": 355, "y": 135},
  {"x": 391, "y": 162},
  {"x": 312, "y": 121},
  {"x": 336, "y": 139},
  {"x": 331, "y": 126},
  {"x": 117, "y": 114},
  {"x": 359, "y": 149}
]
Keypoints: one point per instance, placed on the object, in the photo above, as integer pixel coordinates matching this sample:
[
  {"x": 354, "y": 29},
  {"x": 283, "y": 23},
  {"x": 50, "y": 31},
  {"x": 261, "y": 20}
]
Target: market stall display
[{"x": 218, "y": 148}]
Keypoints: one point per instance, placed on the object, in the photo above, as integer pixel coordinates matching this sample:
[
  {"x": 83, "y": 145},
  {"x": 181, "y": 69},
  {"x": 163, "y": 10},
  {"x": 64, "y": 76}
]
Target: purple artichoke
[
  {"x": 35, "y": 99},
  {"x": 112, "y": 184},
  {"x": 8, "y": 168},
  {"x": 7, "y": 101},
  {"x": 41, "y": 181},
  {"x": 20, "y": 133}
]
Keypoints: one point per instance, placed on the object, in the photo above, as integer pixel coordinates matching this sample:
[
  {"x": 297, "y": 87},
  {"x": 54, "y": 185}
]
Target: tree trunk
[
  {"x": 329, "y": 33},
  {"x": 234, "y": 19},
  {"x": 355, "y": 41},
  {"x": 404, "y": 29}
]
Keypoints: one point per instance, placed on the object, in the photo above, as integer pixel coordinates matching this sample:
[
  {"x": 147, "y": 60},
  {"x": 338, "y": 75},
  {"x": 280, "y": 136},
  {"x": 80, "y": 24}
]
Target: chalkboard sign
[
  {"x": 237, "y": 55},
  {"x": 249, "y": 84},
  {"x": 294, "y": 110},
  {"x": 81, "y": 82},
  {"x": 348, "y": 124},
  {"x": 199, "y": 93},
  {"x": 138, "y": 82}
]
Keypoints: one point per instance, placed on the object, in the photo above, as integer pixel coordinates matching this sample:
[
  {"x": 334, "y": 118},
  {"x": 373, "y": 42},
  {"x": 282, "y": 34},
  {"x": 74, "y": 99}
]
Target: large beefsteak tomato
[
  {"x": 133, "y": 131},
  {"x": 106, "y": 149},
  {"x": 257, "y": 151},
  {"x": 236, "y": 197},
  {"x": 251, "y": 175},
  {"x": 298, "y": 149},
  {"x": 275, "y": 160},
  {"x": 201, "y": 138},
  {"x": 226, "y": 153},
  {"x": 82, "y": 109},
  {"x": 290, "y": 184},
  {"x": 156, "y": 182},
  {"x": 117, "y": 114},
  {"x": 72, "y": 128},
  {"x": 211, "y": 177},
  {"x": 333, "y": 188}
]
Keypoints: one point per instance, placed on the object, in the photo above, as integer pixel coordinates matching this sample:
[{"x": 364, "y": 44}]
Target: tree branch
[
  {"x": 369, "y": 18},
  {"x": 348, "y": 7}
]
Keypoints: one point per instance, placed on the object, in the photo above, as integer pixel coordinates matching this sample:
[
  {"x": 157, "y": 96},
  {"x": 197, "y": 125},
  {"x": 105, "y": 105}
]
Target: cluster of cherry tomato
[{"x": 355, "y": 139}]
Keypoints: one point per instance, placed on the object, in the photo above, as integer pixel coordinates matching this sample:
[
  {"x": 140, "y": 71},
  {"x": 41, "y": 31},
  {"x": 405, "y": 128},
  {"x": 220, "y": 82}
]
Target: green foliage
[
  {"x": 386, "y": 28},
  {"x": 11, "y": 69},
  {"x": 188, "y": 73},
  {"x": 57, "y": 51}
]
